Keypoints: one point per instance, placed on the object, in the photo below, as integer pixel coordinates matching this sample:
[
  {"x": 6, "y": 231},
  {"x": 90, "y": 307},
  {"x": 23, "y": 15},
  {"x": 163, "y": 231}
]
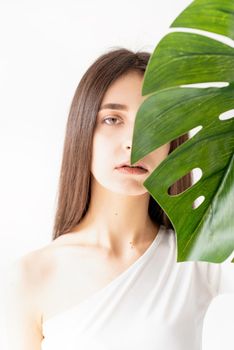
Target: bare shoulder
[
  {"x": 47, "y": 280},
  {"x": 32, "y": 272},
  {"x": 36, "y": 267},
  {"x": 23, "y": 290},
  {"x": 33, "y": 269},
  {"x": 26, "y": 276},
  {"x": 26, "y": 282},
  {"x": 28, "y": 269}
]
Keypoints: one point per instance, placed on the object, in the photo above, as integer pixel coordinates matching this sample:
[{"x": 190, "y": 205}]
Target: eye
[{"x": 110, "y": 118}]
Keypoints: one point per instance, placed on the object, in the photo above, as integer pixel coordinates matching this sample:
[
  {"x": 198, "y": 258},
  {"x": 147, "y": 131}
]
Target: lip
[
  {"x": 132, "y": 171},
  {"x": 129, "y": 165}
]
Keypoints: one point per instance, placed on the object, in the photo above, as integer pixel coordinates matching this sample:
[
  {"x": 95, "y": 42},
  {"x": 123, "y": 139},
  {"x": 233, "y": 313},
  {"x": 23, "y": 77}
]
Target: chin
[{"x": 128, "y": 189}]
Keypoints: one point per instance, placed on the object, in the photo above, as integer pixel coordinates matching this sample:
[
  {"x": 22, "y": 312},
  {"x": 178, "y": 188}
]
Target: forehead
[{"x": 124, "y": 93}]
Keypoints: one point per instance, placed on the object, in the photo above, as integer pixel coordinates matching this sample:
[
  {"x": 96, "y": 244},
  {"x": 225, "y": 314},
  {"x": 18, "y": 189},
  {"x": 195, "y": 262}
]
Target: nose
[
  {"x": 128, "y": 144},
  {"x": 129, "y": 136}
]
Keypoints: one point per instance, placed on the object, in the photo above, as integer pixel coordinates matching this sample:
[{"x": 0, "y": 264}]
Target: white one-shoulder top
[{"x": 156, "y": 303}]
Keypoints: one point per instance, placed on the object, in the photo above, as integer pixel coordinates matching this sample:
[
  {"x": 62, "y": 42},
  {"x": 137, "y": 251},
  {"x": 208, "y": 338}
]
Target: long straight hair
[{"x": 73, "y": 195}]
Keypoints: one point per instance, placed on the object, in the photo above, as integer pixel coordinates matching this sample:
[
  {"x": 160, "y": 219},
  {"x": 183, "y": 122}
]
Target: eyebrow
[{"x": 114, "y": 106}]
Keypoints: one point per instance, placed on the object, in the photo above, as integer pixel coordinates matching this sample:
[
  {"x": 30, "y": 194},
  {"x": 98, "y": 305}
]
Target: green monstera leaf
[{"x": 205, "y": 232}]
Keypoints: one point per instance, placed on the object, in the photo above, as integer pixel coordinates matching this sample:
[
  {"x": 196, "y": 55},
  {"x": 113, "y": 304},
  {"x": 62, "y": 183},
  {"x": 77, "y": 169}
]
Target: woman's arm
[{"x": 22, "y": 316}]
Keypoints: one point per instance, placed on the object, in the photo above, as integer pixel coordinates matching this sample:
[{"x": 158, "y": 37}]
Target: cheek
[{"x": 102, "y": 153}]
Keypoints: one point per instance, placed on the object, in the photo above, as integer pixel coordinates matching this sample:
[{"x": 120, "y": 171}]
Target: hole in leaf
[
  {"x": 185, "y": 137},
  {"x": 207, "y": 84},
  {"x": 227, "y": 115},
  {"x": 194, "y": 131},
  {"x": 196, "y": 175},
  {"x": 185, "y": 182},
  {"x": 198, "y": 201}
]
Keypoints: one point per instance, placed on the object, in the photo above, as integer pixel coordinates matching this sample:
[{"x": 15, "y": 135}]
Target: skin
[
  {"x": 54, "y": 278},
  {"x": 114, "y": 195}
]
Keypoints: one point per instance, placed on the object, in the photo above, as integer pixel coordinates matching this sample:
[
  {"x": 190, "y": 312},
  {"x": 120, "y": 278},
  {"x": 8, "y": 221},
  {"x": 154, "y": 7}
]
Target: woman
[{"x": 109, "y": 278}]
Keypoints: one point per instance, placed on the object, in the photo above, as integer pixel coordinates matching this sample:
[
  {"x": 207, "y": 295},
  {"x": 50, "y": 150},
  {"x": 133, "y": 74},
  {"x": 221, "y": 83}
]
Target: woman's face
[{"x": 112, "y": 139}]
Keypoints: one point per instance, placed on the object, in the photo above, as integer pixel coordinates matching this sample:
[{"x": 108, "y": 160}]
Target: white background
[{"x": 46, "y": 47}]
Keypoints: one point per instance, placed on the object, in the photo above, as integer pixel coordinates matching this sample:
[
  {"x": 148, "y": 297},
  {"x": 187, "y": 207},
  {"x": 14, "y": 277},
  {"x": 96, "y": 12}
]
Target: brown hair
[{"x": 74, "y": 182}]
